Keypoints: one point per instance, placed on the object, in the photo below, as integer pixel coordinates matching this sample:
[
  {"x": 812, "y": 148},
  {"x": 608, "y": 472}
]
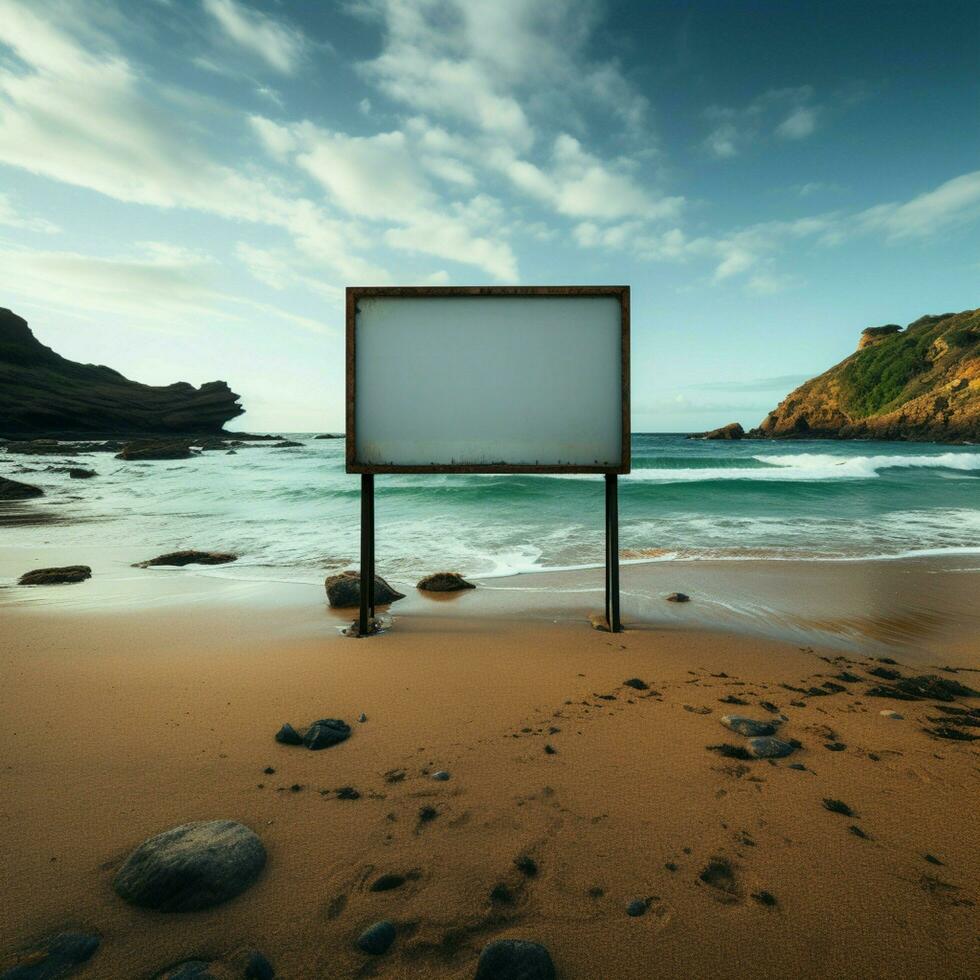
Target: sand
[{"x": 118, "y": 721}]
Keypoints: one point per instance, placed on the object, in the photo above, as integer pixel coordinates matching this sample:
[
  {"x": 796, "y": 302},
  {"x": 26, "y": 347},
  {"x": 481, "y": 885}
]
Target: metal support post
[{"x": 612, "y": 553}]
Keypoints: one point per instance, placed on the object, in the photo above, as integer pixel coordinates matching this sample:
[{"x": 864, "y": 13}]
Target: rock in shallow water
[
  {"x": 748, "y": 726},
  {"x": 515, "y": 959},
  {"x": 52, "y": 958},
  {"x": 181, "y": 558},
  {"x": 344, "y": 590},
  {"x": 765, "y": 747},
  {"x": 377, "y": 939},
  {"x": 191, "y": 867},
  {"x": 678, "y": 597},
  {"x": 15, "y": 490},
  {"x": 65, "y": 575},
  {"x": 444, "y": 582}
]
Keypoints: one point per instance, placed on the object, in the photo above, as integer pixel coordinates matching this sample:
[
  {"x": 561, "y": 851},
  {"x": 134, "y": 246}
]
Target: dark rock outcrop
[
  {"x": 344, "y": 590},
  {"x": 42, "y": 392},
  {"x": 191, "y": 867},
  {"x": 321, "y": 734},
  {"x": 444, "y": 582},
  {"x": 146, "y": 449},
  {"x": 56, "y": 576},
  {"x": 78, "y": 473},
  {"x": 920, "y": 383},
  {"x": 733, "y": 430},
  {"x": 15, "y": 490},
  {"x": 180, "y": 558}
]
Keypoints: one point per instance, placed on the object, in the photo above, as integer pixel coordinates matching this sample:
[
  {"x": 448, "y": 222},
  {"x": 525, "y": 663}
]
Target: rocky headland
[
  {"x": 918, "y": 383},
  {"x": 44, "y": 394}
]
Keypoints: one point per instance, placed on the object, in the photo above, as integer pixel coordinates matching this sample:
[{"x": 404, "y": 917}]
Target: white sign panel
[{"x": 492, "y": 379}]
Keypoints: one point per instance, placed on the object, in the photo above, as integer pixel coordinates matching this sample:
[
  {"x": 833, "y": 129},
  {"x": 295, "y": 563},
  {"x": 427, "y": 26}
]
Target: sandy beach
[{"x": 123, "y": 717}]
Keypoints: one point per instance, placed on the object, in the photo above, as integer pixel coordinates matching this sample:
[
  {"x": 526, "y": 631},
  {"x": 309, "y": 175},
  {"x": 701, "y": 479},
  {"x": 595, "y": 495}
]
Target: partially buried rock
[
  {"x": 748, "y": 726},
  {"x": 77, "y": 473},
  {"x": 894, "y": 715},
  {"x": 288, "y": 735},
  {"x": 57, "y": 956},
  {"x": 678, "y": 597},
  {"x": 249, "y": 964},
  {"x": 56, "y": 576},
  {"x": 191, "y": 867},
  {"x": 444, "y": 582},
  {"x": 377, "y": 939},
  {"x": 15, "y": 490},
  {"x": 326, "y": 732},
  {"x": 189, "y": 557},
  {"x": 515, "y": 959},
  {"x": 766, "y": 747},
  {"x": 344, "y": 590}
]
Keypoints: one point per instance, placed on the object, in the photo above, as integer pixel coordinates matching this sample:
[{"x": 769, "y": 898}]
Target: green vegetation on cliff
[{"x": 922, "y": 382}]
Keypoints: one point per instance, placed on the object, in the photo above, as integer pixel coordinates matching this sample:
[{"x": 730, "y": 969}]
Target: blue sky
[{"x": 186, "y": 186}]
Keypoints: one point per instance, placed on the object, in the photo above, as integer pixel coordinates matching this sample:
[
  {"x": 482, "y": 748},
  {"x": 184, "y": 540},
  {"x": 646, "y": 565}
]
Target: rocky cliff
[
  {"x": 42, "y": 393},
  {"x": 920, "y": 383}
]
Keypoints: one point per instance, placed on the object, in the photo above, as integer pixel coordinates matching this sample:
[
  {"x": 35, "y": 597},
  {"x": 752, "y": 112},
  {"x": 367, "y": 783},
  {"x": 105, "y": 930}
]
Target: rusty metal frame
[{"x": 354, "y": 293}]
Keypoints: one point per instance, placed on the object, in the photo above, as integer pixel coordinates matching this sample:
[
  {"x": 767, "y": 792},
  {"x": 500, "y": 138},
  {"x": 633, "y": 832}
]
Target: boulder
[
  {"x": 515, "y": 959},
  {"x": 444, "y": 582},
  {"x": 286, "y": 444},
  {"x": 77, "y": 473},
  {"x": 329, "y": 435},
  {"x": 344, "y": 590},
  {"x": 191, "y": 867},
  {"x": 733, "y": 430},
  {"x": 65, "y": 575},
  {"x": 15, "y": 490},
  {"x": 181, "y": 558},
  {"x": 766, "y": 747},
  {"x": 748, "y": 726},
  {"x": 155, "y": 449},
  {"x": 52, "y": 958},
  {"x": 678, "y": 597},
  {"x": 321, "y": 734}
]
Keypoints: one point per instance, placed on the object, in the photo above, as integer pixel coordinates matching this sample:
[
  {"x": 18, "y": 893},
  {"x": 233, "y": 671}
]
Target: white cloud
[
  {"x": 721, "y": 141},
  {"x": 954, "y": 202},
  {"x": 800, "y": 123},
  {"x": 280, "y": 46},
  {"x": 12, "y": 219}
]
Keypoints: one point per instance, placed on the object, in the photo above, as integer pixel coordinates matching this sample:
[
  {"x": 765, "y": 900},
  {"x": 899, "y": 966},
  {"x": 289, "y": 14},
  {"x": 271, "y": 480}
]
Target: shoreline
[{"x": 920, "y": 607}]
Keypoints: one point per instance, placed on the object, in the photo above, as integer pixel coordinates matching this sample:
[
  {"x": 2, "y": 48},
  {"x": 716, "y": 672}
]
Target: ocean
[{"x": 292, "y": 514}]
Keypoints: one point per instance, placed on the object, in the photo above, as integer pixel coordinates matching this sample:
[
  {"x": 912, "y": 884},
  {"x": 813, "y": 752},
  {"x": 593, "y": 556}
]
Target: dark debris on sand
[
  {"x": 730, "y": 751},
  {"x": 718, "y": 873},
  {"x": 837, "y": 806}
]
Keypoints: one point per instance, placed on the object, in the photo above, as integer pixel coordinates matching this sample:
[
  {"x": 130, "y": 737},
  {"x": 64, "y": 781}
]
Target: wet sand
[{"x": 121, "y": 717}]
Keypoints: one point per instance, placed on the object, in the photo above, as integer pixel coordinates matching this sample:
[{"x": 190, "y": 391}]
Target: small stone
[
  {"x": 362, "y": 717},
  {"x": 798, "y": 766},
  {"x": 834, "y": 746},
  {"x": 894, "y": 715},
  {"x": 678, "y": 597},
  {"x": 326, "y": 732},
  {"x": 514, "y": 959},
  {"x": 637, "y": 907},
  {"x": 348, "y": 793},
  {"x": 501, "y": 895},
  {"x": 527, "y": 866},
  {"x": 387, "y": 882},
  {"x": 444, "y": 582},
  {"x": 748, "y": 726},
  {"x": 77, "y": 473},
  {"x": 637, "y": 684},
  {"x": 427, "y": 814},
  {"x": 766, "y": 747},
  {"x": 765, "y": 898},
  {"x": 550, "y": 750},
  {"x": 837, "y": 806},
  {"x": 441, "y": 776},
  {"x": 288, "y": 735},
  {"x": 377, "y": 939}
]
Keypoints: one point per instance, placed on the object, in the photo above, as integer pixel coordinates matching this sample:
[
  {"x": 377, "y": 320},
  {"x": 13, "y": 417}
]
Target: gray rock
[
  {"x": 15, "y": 490},
  {"x": 765, "y": 747},
  {"x": 56, "y": 576},
  {"x": 326, "y": 732},
  {"x": 515, "y": 959},
  {"x": 181, "y": 558},
  {"x": 57, "y": 956},
  {"x": 441, "y": 775},
  {"x": 344, "y": 590},
  {"x": 748, "y": 726},
  {"x": 444, "y": 582},
  {"x": 377, "y": 939},
  {"x": 362, "y": 717},
  {"x": 77, "y": 473},
  {"x": 678, "y": 597},
  {"x": 636, "y": 908},
  {"x": 288, "y": 735},
  {"x": 194, "y": 866}
]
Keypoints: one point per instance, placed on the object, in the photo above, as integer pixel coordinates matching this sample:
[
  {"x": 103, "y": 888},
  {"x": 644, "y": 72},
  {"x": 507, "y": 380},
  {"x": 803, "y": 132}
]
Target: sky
[{"x": 187, "y": 186}]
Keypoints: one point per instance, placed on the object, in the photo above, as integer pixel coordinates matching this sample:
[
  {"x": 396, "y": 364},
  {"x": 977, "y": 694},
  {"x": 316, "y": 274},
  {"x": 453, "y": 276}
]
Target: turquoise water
[{"x": 293, "y": 513}]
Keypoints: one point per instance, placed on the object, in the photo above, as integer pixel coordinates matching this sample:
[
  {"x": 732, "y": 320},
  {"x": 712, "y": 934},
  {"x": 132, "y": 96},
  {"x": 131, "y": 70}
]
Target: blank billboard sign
[{"x": 488, "y": 379}]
